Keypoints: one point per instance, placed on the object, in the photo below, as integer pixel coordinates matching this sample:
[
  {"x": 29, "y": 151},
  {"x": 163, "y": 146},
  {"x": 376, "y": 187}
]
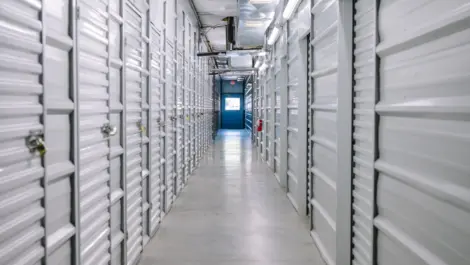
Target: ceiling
[
  {"x": 252, "y": 17},
  {"x": 212, "y": 13}
]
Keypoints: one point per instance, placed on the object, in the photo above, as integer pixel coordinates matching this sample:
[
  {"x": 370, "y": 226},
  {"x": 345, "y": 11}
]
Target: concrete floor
[{"x": 232, "y": 212}]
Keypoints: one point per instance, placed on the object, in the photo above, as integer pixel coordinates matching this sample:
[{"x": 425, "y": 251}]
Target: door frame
[{"x": 242, "y": 108}]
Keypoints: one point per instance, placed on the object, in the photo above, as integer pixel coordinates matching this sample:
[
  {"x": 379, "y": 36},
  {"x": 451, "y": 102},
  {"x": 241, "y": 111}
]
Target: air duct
[{"x": 229, "y": 33}]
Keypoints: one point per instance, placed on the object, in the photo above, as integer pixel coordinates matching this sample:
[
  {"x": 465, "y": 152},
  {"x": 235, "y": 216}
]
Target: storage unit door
[
  {"x": 180, "y": 121},
  {"x": 186, "y": 104},
  {"x": 279, "y": 80},
  {"x": 293, "y": 75},
  {"x": 323, "y": 134},
  {"x": 268, "y": 123},
  {"x": 173, "y": 129},
  {"x": 95, "y": 130},
  {"x": 36, "y": 134},
  {"x": 156, "y": 130},
  {"x": 169, "y": 133},
  {"x": 137, "y": 141},
  {"x": 423, "y": 184},
  {"x": 192, "y": 116}
]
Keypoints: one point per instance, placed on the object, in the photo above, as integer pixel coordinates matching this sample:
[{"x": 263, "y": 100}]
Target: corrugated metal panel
[
  {"x": 267, "y": 122},
  {"x": 180, "y": 102},
  {"x": 422, "y": 183},
  {"x": 186, "y": 102},
  {"x": 116, "y": 206},
  {"x": 22, "y": 189},
  {"x": 293, "y": 66},
  {"x": 322, "y": 138},
  {"x": 146, "y": 120},
  {"x": 156, "y": 138},
  {"x": 280, "y": 50},
  {"x": 136, "y": 48},
  {"x": 170, "y": 103},
  {"x": 94, "y": 145},
  {"x": 364, "y": 131}
]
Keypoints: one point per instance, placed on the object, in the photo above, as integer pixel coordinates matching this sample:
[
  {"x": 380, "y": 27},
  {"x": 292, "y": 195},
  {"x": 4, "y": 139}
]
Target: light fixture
[
  {"x": 290, "y": 8},
  {"x": 260, "y": 1},
  {"x": 254, "y": 23},
  {"x": 263, "y": 67},
  {"x": 274, "y": 35},
  {"x": 258, "y": 63}
]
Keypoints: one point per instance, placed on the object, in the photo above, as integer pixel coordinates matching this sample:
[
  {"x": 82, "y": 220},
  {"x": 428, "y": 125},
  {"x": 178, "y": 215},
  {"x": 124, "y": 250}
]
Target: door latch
[
  {"x": 35, "y": 143},
  {"x": 142, "y": 128},
  {"x": 109, "y": 129}
]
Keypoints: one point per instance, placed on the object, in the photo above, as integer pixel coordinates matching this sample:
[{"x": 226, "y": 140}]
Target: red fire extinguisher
[{"x": 259, "y": 128}]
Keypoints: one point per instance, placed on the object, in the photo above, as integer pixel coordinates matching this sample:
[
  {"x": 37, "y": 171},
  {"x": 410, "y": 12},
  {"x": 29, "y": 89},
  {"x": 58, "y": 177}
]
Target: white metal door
[
  {"x": 186, "y": 106},
  {"x": 95, "y": 131},
  {"x": 322, "y": 138},
  {"x": 169, "y": 102},
  {"x": 156, "y": 130},
  {"x": 39, "y": 206},
  {"x": 137, "y": 113},
  {"x": 422, "y": 170},
  {"x": 294, "y": 66},
  {"x": 180, "y": 104},
  {"x": 280, "y": 51},
  {"x": 268, "y": 123}
]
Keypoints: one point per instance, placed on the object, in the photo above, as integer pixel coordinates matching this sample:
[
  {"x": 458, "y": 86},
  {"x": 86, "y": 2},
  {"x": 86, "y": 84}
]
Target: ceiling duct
[
  {"x": 230, "y": 33},
  {"x": 255, "y": 16}
]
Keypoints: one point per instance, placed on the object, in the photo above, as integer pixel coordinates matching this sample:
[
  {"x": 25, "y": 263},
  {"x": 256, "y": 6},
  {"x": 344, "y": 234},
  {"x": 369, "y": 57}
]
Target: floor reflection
[{"x": 233, "y": 212}]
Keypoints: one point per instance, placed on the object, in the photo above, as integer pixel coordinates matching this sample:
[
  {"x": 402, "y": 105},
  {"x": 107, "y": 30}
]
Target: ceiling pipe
[
  {"x": 209, "y": 54},
  {"x": 233, "y": 70},
  {"x": 221, "y": 53}
]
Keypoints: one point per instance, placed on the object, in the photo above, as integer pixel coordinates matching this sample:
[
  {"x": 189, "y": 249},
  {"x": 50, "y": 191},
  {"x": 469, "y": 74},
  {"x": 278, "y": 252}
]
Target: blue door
[{"x": 232, "y": 111}]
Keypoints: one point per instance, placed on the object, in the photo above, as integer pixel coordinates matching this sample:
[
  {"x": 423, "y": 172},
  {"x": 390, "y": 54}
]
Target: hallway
[{"x": 233, "y": 212}]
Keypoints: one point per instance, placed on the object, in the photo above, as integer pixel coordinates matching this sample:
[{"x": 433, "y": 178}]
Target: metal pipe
[
  {"x": 233, "y": 70},
  {"x": 211, "y": 54}
]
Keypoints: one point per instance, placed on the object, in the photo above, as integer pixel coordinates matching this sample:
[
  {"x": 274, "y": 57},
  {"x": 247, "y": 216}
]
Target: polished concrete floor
[{"x": 232, "y": 212}]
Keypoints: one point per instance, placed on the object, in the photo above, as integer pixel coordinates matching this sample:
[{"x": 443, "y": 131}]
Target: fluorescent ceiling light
[
  {"x": 263, "y": 67},
  {"x": 274, "y": 35},
  {"x": 254, "y": 23},
  {"x": 260, "y": 1},
  {"x": 290, "y": 8}
]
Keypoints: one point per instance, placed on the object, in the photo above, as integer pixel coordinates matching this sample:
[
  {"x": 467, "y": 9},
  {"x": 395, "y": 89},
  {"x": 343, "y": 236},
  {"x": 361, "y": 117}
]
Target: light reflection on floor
[{"x": 232, "y": 212}]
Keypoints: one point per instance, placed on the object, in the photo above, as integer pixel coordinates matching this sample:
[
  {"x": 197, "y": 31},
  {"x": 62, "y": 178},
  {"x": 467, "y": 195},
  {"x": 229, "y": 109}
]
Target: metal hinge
[{"x": 77, "y": 12}]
